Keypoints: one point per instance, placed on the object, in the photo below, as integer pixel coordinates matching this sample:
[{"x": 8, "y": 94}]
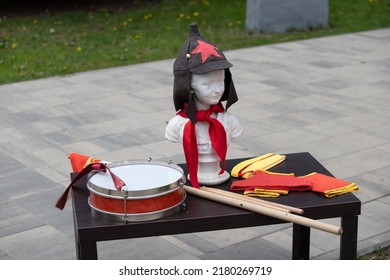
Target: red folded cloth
[
  {"x": 272, "y": 181},
  {"x": 329, "y": 186},
  {"x": 83, "y": 164},
  {"x": 79, "y": 161}
]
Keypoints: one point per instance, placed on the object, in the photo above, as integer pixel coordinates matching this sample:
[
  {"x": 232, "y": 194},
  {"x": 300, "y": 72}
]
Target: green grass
[
  {"x": 44, "y": 45},
  {"x": 378, "y": 254}
]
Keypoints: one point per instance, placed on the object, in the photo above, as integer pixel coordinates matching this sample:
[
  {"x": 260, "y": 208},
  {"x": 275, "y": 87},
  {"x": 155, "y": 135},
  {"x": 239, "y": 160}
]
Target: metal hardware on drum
[
  {"x": 124, "y": 205},
  {"x": 153, "y": 190},
  {"x": 183, "y": 206}
]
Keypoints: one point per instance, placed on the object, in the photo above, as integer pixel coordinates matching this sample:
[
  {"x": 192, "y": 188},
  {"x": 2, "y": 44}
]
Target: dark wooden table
[{"x": 205, "y": 215}]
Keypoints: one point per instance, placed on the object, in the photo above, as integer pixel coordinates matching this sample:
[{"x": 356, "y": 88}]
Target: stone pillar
[{"x": 285, "y": 15}]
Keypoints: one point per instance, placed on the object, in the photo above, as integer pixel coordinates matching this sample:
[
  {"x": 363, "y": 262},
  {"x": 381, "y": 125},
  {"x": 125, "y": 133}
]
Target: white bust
[{"x": 208, "y": 88}]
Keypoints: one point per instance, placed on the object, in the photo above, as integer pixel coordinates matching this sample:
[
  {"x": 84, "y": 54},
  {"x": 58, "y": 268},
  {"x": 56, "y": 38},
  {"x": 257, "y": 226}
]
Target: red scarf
[{"x": 217, "y": 136}]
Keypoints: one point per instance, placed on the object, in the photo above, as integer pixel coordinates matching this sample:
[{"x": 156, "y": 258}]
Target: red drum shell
[{"x": 136, "y": 206}]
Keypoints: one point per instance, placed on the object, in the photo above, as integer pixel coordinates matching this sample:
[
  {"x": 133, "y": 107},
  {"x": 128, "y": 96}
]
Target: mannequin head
[{"x": 208, "y": 88}]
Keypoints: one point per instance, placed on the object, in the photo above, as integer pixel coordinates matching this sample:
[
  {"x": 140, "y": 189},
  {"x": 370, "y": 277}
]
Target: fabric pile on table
[{"x": 257, "y": 181}]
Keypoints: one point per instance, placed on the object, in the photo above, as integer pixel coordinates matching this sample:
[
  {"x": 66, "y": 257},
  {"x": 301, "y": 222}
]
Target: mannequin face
[{"x": 208, "y": 88}]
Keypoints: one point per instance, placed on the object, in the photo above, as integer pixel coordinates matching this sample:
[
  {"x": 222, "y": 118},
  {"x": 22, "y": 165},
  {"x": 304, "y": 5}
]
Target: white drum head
[{"x": 140, "y": 177}]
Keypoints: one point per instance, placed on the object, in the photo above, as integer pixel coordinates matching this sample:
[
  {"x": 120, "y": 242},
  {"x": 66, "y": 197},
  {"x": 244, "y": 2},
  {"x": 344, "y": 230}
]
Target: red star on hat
[{"x": 205, "y": 50}]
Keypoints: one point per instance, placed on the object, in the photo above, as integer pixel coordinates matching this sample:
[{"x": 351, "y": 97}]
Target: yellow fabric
[
  {"x": 351, "y": 188},
  {"x": 265, "y": 193},
  {"x": 264, "y": 162},
  {"x": 277, "y": 173}
]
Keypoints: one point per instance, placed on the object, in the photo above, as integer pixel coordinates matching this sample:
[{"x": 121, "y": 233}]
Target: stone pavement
[{"x": 328, "y": 96}]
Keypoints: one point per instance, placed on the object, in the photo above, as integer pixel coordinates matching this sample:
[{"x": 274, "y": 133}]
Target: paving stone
[
  {"x": 257, "y": 249},
  {"x": 325, "y": 241},
  {"x": 385, "y": 199},
  {"x": 14, "y": 219},
  {"x": 10, "y": 166},
  {"x": 373, "y": 243},
  {"x": 328, "y": 96},
  {"x": 375, "y": 217},
  {"x": 199, "y": 243},
  {"x": 357, "y": 163},
  {"x": 24, "y": 184},
  {"x": 38, "y": 243},
  {"x": 223, "y": 238},
  {"x": 41, "y": 207},
  {"x": 179, "y": 243},
  {"x": 152, "y": 248},
  {"x": 4, "y": 256}
]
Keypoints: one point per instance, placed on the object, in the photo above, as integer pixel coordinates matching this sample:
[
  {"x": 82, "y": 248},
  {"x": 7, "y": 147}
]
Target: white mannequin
[{"x": 208, "y": 89}]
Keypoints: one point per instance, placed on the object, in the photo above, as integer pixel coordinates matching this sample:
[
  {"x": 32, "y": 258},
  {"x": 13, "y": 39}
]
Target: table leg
[
  {"x": 87, "y": 251},
  {"x": 76, "y": 235},
  {"x": 348, "y": 240},
  {"x": 301, "y": 242}
]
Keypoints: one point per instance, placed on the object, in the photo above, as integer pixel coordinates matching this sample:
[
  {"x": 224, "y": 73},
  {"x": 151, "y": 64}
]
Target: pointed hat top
[{"x": 198, "y": 55}]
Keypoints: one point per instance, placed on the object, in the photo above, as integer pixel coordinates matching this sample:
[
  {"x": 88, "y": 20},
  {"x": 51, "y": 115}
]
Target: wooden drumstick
[
  {"x": 245, "y": 198},
  {"x": 259, "y": 201},
  {"x": 264, "y": 210}
]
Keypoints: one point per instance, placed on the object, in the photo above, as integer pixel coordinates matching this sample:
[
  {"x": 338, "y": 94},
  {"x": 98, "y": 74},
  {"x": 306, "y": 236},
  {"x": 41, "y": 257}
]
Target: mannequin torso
[{"x": 208, "y": 89}]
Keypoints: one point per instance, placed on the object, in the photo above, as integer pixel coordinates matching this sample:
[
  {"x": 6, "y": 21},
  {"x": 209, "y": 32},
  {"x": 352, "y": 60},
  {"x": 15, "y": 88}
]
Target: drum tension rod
[
  {"x": 182, "y": 206},
  {"x": 125, "y": 195}
]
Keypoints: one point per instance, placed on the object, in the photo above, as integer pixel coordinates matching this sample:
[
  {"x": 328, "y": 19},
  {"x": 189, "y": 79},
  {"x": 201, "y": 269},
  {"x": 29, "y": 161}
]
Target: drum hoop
[
  {"x": 129, "y": 196},
  {"x": 140, "y": 193}
]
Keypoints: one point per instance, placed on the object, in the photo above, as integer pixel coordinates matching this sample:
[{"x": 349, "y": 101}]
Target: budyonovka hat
[{"x": 199, "y": 56}]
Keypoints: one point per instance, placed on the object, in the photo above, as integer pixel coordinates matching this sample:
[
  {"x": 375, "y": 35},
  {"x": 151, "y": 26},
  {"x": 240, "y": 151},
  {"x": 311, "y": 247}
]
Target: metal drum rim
[
  {"x": 125, "y": 193},
  {"x": 140, "y": 193}
]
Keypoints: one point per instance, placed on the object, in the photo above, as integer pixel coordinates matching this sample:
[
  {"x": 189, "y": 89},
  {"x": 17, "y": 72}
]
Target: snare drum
[{"x": 153, "y": 190}]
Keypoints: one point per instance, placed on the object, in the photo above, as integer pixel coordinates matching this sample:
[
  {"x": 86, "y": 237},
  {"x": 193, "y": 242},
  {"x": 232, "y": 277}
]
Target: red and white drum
[{"x": 153, "y": 190}]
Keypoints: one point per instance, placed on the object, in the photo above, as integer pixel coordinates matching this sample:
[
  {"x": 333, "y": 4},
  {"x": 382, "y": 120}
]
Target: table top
[{"x": 205, "y": 215}]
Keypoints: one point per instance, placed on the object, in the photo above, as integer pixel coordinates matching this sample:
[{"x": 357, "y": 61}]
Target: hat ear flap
[
  {"x": 191, "y": 108},
  {"x": 181, "y": 88},
  {"x": 230, "y": 93}
]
